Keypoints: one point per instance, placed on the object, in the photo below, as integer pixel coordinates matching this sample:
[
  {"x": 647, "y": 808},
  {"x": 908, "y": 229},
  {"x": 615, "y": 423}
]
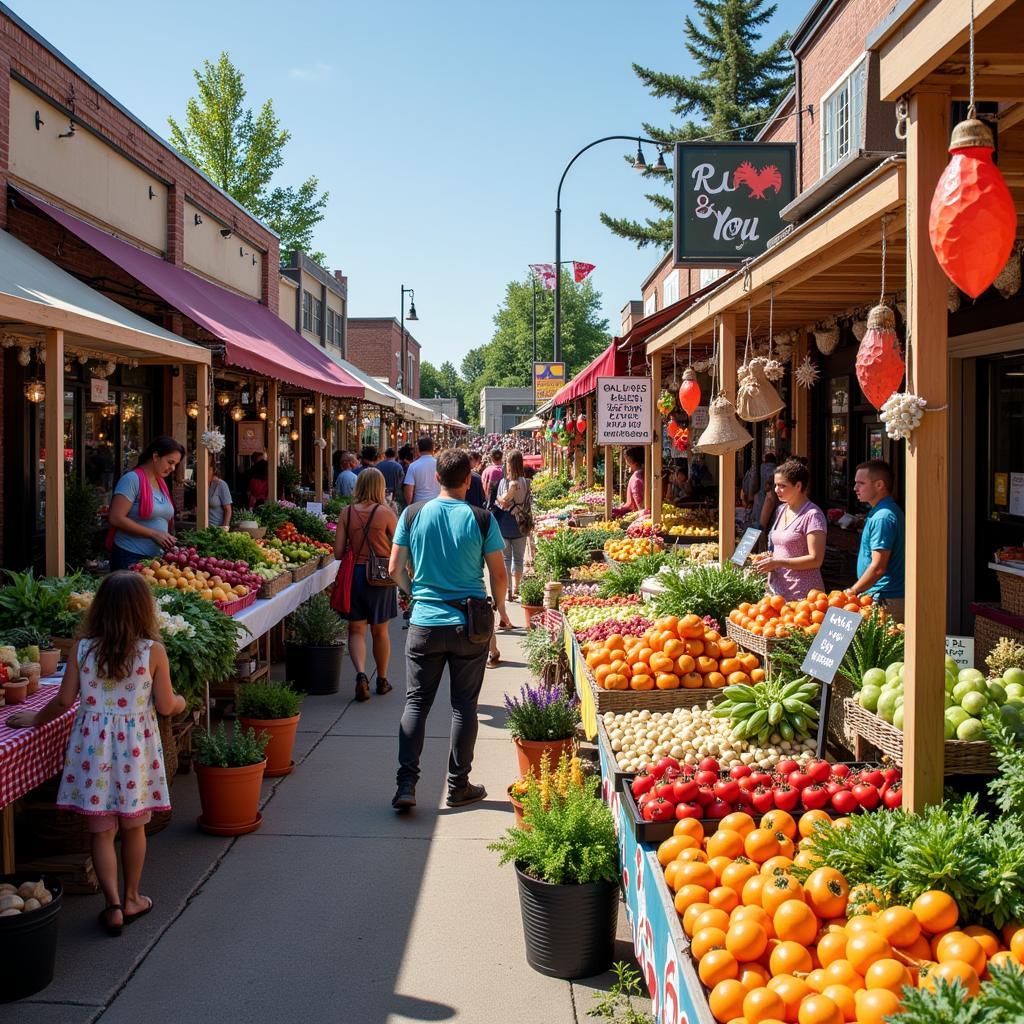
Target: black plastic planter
[
  {"x": 569, "y": 929},
  {"x": 314, "y": 670},
  {"x": 29, "y": 943}
]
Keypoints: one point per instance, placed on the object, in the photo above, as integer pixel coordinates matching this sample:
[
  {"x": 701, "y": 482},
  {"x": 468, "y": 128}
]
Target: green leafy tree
[
  {"x": 441, "y": 382},
  {"x": 738, "y": 85},
  {"x": 239, "y": 149}
]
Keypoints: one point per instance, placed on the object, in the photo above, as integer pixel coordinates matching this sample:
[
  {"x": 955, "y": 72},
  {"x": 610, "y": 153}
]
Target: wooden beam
[
  {"x": 926, "y": 38},
  {"x": 590, "y": 439},
  {"x": 609, "y": 483},
  {"x": 318, "y": 455},
  {"x": 927, "y": 466},
  {"x": 801, "y": 399},
  {"x": 656, "y": 444},
  {"x": 53, "y": 432},
  {"x": 202, "y": 455},
  {"x": 727, "y": 463},
  {"x": 273, "y": 438}
]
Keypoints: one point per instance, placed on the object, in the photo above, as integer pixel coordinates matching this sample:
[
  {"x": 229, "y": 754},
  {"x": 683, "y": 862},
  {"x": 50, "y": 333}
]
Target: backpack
[{"x": 482, "y": 516}]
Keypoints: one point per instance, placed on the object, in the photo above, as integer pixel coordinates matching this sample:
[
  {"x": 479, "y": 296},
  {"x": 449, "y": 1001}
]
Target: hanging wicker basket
[
  {"x": 827, "y": 338},
  {"x": 724, "y": 433}
]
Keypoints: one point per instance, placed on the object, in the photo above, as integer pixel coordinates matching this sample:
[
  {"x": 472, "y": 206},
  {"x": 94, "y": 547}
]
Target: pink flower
[
  {"x": 156, "y": 764},
  {"x": 103, "y": 734},
  {"x": 92, "y": 683},
  {"x": 122, "y": 702},
  {"x": 94, "y": 799},
  {"x": 136, "y": 752},
  {"x": 69, "y": 779},
  {"x": 140, "y": 671},
  {"x": 85, "y": 670},
  {"x": 88, "y": 783},
  {"x": 127, "y": 769},
  {"x": 131, "y": 784},
  {"x": 85, "y": 731},
  {"x": 86, "y": 765},
  {"x": 120, "y": 737},
  {"x": 156, "y": 794},
  {"x": 90, "y": 700},
  {"x": 147, "y": 734}
]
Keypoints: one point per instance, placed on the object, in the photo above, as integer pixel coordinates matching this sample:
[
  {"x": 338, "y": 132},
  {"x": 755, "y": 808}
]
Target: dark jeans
[
  {"x": 427, "y": 651},
  {"x": 123, "y": 559}
]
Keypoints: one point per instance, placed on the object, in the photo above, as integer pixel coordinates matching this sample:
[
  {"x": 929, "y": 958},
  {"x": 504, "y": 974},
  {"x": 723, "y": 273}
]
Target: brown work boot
[{"x": 362, "y": 687}]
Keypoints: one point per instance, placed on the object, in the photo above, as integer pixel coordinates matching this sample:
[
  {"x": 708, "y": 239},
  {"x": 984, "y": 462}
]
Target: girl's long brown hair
[
  {"x": 514, "y": 464},
  {"x": 122, "y": 613}
]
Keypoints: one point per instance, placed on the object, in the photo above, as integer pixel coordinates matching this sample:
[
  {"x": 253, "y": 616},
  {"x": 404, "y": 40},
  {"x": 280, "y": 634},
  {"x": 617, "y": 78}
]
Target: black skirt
[{"x": 371, "y": 604}]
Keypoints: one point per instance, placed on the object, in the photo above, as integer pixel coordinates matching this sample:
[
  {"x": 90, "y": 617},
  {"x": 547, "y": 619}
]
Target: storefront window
[
  {"x": 99, "y": 437},
  {"x": 1006, "y": 440},
  {"x": 69, "y": 449},
  {"x": 839, "y": 440},
  {"x": 132, "y": 429}
]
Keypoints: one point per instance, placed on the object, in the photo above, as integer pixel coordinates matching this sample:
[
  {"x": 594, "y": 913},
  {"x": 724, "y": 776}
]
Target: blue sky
[{"x": 439, "y": 128}]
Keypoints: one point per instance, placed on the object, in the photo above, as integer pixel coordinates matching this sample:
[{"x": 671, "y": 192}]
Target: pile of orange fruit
[
  {"x": 771, "y": 950},
  {"x": 673, "y": 653},
  {"x": 628, "y": 549},
  {"x": 775, "y": 617}
]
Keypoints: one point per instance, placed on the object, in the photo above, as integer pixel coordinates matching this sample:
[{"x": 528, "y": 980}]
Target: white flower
[{"x": 213, "y": 441}]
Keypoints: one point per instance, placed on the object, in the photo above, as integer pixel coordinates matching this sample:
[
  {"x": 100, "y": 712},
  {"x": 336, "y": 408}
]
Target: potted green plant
[
  {"x": 272, "y": 708},
  {"x": 542, "y": 721},
  {"x": 315, "y": 648},
  {"x": 560, "y": 553},
  {"x": 543, "y": 654},
  {"x": 567, "y": 869},
  {"x": 229, "y": 771},
  {"x": 531, "y": 594}
]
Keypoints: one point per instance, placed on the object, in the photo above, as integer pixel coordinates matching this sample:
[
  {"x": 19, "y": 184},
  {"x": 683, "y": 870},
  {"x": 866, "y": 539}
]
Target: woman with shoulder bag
[
  {"x": 364, "y": 535},
  {"x": 515, "y": 501}
]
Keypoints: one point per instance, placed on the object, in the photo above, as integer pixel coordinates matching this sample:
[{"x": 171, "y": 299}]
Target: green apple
[
  {"x": 951, "y": 681},
  {"x": 897, "y": 718},
  {"x": 1014, "y": 676},
  {"x": 997, "y": 691},
  {"x": 956, "y": 715},
  {"x": 971, "y": 729},
  {"x": 893, "y": 670},
  {"x": 874, "y": 677},
  {"x": 971, "y": 674},
  {"x": 965, "y": 687},
  {"x": 886, "y": 706},
  {"x": 951, "y": 665},
  {"x": 974, "y": 703},
  {"x": 948, "y": 729},
  {"x": 949, "y": 702},
  {"x": 1013, "y": 689},
  {"x": 869, "y": 697}
]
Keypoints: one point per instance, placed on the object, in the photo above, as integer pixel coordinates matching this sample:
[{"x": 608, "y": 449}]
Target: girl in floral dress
[{"x": 114, "y": 768}]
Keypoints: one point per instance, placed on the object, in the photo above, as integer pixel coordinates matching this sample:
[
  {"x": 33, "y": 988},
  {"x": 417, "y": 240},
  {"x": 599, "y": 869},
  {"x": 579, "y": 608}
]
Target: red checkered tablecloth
[{"x": 29, "y": 757}]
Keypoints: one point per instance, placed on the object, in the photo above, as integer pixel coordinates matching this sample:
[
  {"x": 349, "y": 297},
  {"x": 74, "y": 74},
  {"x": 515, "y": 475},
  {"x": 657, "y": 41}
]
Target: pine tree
[{"x": 737, "y": 87}]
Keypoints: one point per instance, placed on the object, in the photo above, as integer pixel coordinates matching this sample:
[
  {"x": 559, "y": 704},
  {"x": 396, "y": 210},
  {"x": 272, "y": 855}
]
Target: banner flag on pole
[
  {"x": 581, "y": 271},
  {"x": 546, "y": 273}
]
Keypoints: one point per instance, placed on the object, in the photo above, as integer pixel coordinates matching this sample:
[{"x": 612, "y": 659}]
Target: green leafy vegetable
[
  {"x": 713, "y": 590},
  {"x": 216, "y": 543},
  {"x": 560, "y": 552},
  {"x": 626, "y": 577}
]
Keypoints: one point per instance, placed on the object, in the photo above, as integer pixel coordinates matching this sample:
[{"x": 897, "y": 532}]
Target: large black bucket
[
  {"x": 569, "y": 929},
  {"x": 314, "y": 670},
  {"x": 29, "y": 943}
]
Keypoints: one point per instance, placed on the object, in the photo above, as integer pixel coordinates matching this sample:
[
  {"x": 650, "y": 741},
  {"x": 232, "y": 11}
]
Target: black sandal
[
  {"x": 132, "y": 918},
  {"x": 111, "y": 929}
]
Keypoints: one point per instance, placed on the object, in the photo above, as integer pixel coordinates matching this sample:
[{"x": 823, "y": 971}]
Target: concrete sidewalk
[{"x": 337, "y": 910}]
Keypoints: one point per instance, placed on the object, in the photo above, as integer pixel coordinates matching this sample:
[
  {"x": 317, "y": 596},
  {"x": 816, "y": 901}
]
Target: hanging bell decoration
[
  {"x": 689, "y": 391},
  {"x": 581, "y": 424},
  {"x": 972, "y": 221},
  {"x": 880, "y": 365},
  {"x": 757, "y": 398},
  {"x": 724, "y": 433}
]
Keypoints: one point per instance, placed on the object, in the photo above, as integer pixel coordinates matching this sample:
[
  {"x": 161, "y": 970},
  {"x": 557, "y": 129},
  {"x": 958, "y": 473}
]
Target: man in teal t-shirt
[
  {"x": 446, "y": 549},
  {"x": 880, "y": 560}
]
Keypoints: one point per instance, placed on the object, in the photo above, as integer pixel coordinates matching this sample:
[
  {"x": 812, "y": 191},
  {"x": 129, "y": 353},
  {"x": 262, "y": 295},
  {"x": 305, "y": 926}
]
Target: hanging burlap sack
[{"x": 756, "y": 398}]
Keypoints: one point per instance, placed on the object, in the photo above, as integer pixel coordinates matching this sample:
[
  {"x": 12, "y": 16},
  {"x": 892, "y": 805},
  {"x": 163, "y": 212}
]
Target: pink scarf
[{"x": 146, "y": 493}]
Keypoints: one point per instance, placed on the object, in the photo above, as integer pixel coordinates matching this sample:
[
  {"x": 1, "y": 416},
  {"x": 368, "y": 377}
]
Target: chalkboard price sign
[
  {"x": 750, "y": 537},
  {"x": 831, "y": 644}
]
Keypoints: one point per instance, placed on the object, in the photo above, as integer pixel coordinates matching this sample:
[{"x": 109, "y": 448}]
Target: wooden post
[
  {"x": 609, "y": 483},
  {"x": 202, "y": 456},
  {"x": 801, "y": 399},
  {"x": 54, "y": 436},
  {"x": 590, "y": 440},
  {"x": 927, "y": 464},
  {"x": 727, "y": 463},
  {"x": 297, "y": 444},
  {"x": 318, "y": 453},
  {"x": 656, "y": 444},
  {"x": 273, "y": 438}
]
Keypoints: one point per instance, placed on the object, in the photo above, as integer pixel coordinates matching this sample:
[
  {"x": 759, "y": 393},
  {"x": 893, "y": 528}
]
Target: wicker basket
[
  {"x": 649, "y": 700},
  {"x": 960, "y": 757},
  {"x": 270, "y": 588},
  {"x": 1011, "y": 592},
  {"x": 300, "y": 572},
  {"x": 751, "y": 641},
  {"x": 988, "y": 632}
]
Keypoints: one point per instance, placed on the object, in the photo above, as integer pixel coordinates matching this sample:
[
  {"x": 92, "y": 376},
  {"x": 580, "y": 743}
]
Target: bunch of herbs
[
  {"x": 560, "y": 552},
  {"x": 713, "y": 590},
  {"x": 625, "y": 578},
  {"x": 267, "y": 699},
  {"x": 317, "y": 624},
  {"x": 239, "y": 750}
]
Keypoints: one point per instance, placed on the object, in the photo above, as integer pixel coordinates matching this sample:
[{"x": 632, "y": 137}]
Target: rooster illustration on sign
[{"x": 758, "y": 181}]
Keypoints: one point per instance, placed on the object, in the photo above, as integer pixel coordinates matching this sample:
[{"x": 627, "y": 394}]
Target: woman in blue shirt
[{"x": 141, "y": 511}]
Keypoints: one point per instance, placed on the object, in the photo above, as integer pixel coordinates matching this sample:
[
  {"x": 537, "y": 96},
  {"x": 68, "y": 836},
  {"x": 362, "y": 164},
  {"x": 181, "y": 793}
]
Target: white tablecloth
[{"x": 264, "y": 615}]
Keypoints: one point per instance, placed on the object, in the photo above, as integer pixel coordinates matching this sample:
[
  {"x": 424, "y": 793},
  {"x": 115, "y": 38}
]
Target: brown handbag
[{"x": 377, "y": 572}]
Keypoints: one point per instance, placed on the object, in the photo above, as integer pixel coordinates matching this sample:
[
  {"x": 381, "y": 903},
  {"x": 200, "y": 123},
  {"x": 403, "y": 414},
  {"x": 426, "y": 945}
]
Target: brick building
[
  {"x": 314, "y": 302},
  {"x": 376, "y": 346}
]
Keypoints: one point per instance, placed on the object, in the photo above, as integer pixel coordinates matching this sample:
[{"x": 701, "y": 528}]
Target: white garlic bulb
[{"x": 902, "y": 413}]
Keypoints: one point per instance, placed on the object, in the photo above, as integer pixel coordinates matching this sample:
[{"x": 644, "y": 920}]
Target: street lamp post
[
  {"x": 639, "y": 164},
  {"x": 404, "y": 346}
]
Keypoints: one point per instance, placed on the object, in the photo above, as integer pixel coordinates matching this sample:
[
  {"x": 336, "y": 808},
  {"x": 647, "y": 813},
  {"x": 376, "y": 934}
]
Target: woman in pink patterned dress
[{"x": 114, "y": 768}]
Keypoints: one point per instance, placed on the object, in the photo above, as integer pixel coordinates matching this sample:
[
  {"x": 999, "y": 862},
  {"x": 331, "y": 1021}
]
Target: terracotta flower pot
[
  {"x": 517, "y": 809},
  {"x": 282, "y": 738},
  {"x": 530, "y": 753},
  {"x": 16, "y": 690},
  {"x": 230, "y": 798},
  {"x": 529, "y": 610},
  {"x": 49, "y": 660}
]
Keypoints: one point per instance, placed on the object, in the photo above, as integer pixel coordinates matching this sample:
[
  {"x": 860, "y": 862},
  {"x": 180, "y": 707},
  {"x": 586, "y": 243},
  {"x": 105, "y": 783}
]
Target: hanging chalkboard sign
[{"x": 750, "y": 537}]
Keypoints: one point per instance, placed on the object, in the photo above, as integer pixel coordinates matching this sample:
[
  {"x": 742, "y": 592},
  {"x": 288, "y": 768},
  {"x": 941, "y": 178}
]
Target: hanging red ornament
[
  {"x": 880, "y": 365},
  {"x": 673, "y": 428},
  {"x": 689, "y": 391},
  {"x": 972, "y": 222},
  {"x": 581, "y": 423},
  {"x": 570, "y": 424}
]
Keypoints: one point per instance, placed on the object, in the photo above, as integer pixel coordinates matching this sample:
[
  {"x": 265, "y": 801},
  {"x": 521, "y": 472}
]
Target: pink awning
[
  {"x": 255, "y": 339},
  {"x": 610, "y": 363}
]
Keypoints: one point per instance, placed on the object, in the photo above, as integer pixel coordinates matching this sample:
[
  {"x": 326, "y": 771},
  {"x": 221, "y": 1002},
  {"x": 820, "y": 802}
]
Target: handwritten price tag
[{"x": 831, "y": 644}]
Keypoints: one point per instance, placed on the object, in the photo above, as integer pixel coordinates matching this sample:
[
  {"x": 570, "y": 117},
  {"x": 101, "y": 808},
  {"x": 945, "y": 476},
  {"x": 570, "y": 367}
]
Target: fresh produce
[
  {"x": 672, "y": 516},
  {"x": 308, "y": 524},
  {"x": 683, "y": 530},
  {"x": 559, "y": 553},
  {"x": 635, "y": 625},
  {"x": 594, "y": 537},
  {"x": 779, "y": 935},
  {"x": 52, "y": 606},
  {"x": 641, "y": 528},
  {"x": 708, "y": 590},
  {"x": 630, "y": 548},
  {"x": 969, "y": 696},
  {"x": 774, "y": 616},
  {"x": 294, "y": 553},
  {"x": 774, "y": 706},
  {"x": 213, "y": 579},
  {"x": 627, "y": 577},
  {"x": 216, "y": 543},
  {"x": 1006, "y": 654},
  {"x": 701, "y": 553},
  {"x": 579, "y": 590},
  {"x": 290, "y": 535},
  {"x": 581, "y": 612},
  {"x": 24, "y": 898},
  {"x": 589, "y": 573},
  {"x": 674, "y": 653}
]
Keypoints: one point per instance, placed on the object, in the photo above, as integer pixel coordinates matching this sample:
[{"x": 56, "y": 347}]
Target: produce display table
[
  {"x": 28, "y": 757},
  {"x": 588, "y": 707}
]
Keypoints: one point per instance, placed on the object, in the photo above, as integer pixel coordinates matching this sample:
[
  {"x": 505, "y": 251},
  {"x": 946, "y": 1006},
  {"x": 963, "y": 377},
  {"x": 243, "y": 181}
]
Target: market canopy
[
  {"x": 36, "y": 294},
  {"x": 533, "y": 423},
  {"x": 255, "y": 338},
  {"x": 375, "y": 391}
]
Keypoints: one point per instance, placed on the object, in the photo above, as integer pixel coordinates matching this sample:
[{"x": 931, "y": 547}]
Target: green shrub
[
  {"x": 266, "y": 699},
  {"x": 241, "y": 749},
  {"x": 317, "y": 624},
  {"x": 531, "y": 590}
]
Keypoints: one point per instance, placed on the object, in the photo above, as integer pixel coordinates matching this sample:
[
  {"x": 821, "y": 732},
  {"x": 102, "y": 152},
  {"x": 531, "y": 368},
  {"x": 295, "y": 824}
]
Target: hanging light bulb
[
  {"x": 111, "y": 410},
  {"x": 237, "y": 413},
  {"x": 689, "y": 391},
  {"x": 223, "y": 398},
  {"x": 284, "y": 421},
  {"x": 193, "y": 409},
  {"x": 309, "y": 409},
  {"x": 294, "y": 435},
  {"x": 341, "y": 417},
  {"x": 35, "y": 391},
  {"x": 262, "y": 412}
]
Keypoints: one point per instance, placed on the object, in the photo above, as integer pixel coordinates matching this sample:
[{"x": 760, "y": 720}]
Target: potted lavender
[{"x": 542, "y": 721}]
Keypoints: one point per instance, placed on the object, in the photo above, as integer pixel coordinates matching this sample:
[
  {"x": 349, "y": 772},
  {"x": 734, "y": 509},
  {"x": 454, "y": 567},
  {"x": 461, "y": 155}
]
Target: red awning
[
  {"x": 255, "y": 338},
  {"x": 610, "y": 363}
]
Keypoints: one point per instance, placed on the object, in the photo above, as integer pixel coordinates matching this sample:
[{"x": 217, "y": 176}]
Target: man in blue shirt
[
  {"x": 445, "y": 549},
  {"x": 345, "y": 484},
  {"x": 393, "y": 474},
  {"x": 880, "y": 561}
]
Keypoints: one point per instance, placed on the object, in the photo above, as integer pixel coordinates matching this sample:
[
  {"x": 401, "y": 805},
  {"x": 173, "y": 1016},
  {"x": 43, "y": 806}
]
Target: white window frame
[
  {"x": 708, "y": 275},
  {"x": 651, "y": 303},
  {"x": 854, "y": 127},
  {"x": 670, "y": 289}
]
